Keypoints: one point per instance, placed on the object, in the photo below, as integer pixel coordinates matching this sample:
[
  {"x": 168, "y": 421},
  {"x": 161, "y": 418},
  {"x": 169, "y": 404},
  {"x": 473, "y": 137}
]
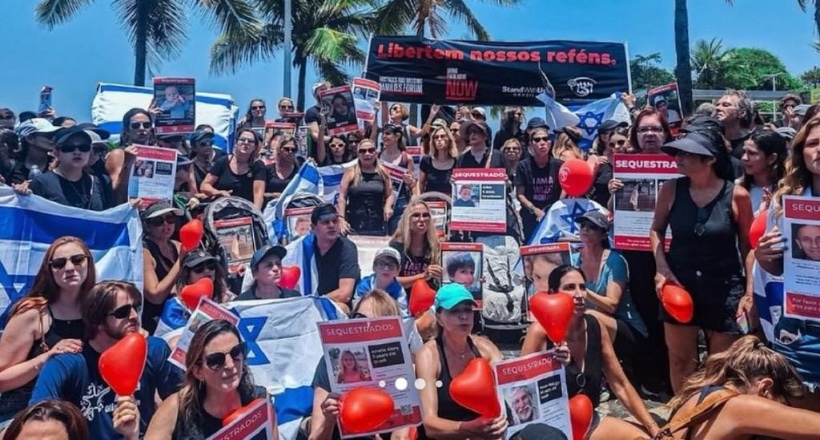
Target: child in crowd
[{"x": 385, "y": 270}]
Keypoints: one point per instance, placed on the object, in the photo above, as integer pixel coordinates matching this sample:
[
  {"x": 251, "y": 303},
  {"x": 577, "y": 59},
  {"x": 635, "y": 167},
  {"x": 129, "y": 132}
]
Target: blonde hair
[
  {"x": 402, "y": 110},
  {"x": 357, "y": 169},
  {"x": 565, "y": 142},
  {"x": 383, "y": 303},
  {"x": 402, "y": 234},
  {"x": 797, "y": 177},
  {"x": 430, "y": 150},
  {"x": 745, "y": 361}
]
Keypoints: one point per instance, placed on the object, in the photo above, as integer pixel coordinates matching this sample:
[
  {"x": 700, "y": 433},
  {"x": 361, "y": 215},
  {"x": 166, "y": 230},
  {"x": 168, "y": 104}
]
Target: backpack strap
[{"x": 696, "y": 415}]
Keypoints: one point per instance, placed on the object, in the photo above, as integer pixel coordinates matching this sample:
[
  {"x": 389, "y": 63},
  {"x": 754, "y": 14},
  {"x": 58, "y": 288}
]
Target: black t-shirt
[
  {"x": 273, "y": 184},
  {"x": 410, "y": 265},
  {"x": 90, "y": 192},
  {"x": 737, "y": 145},
  {"x": 313, "y": 114},
  {"x": 250, "y": 294},
  {"x": 242, "y": 186},
  {"x": 6, "y": 168},
  {"x": 600, "y": 188},
  {"x": 437, "y": 180},
  {"x": 340, "y": 261},
  {"x": 467, "y": 160},
  {"x": 540, "y": 184}
]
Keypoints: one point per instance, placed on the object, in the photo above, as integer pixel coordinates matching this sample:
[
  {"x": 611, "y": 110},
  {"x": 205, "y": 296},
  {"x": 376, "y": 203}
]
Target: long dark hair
[
  {"x": 220, "y": 282},
  {"x": 554, "y": 280},
  {"x": 723, "y": 163},
  {"x": 249, "y": 113},
  {"x": 61, "y": 411},
  {"x": 769, "y": 142},
  {"x": 125, "y": 137}
]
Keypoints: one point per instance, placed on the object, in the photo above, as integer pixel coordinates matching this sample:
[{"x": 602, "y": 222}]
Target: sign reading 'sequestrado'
[{"x": 412, "y": 69}]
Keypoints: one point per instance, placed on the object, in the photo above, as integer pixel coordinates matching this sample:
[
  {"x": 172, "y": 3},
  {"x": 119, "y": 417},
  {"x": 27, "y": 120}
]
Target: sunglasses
[
  {"x": 619, "y": 143},
  {"x": 258, "y": 107},
  {"x": 289, "y": 150},
  {"x": 140, "y": 125},
  {"x": 123, "y": 312},
  {"x": 216, "y": 361},
  {"x": 6, "y": 117},
  {"x": 440, "y": 136},
  {"x": 367, "y": 150},
  {"x": 420, "y": 215},
  {"x": 205, "y": 144},
  {"x": 541, "y": 139},
  {"x": 357, "y": 315},
  {"x": 158, "y": 221},
  {"x": 337, "y": 145},
  {"x": 286, "y": 107},
  {"x": 200, "y": 268},
  {"x": 76, "y": 260},
  {"x": 245, "y": 141},
  {"x": 475, "y": 132},
  {"x": 85, "y": 148}
]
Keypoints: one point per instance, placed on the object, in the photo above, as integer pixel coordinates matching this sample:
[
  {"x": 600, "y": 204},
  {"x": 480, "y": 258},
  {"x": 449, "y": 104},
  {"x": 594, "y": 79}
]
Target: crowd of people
[{"x": 620, "y": 342}]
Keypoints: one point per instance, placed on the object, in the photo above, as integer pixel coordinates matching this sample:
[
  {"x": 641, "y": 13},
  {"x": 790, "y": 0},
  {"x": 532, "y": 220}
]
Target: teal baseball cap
[{"x": 452, "y": 295}]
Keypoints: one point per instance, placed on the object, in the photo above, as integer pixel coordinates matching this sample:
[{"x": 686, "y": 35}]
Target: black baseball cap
[
  {"x": 596, "y": 218},
  {"x": 540, "y": 431},
  {"x": 200, "y": 135},
  {"x": 693, "y": 143},
  {"x": 266, "y": 250},
  {"x": 64, "y": 134},
  {"x": 171, "y": 137},
  {"x": 537, "y": 122},
  {"x": 197, "y": 257},
  {"x": 611, "y": 124},
  {"x": 323, "y": 212}
]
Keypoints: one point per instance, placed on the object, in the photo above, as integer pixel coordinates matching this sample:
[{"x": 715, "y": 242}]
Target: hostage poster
[{"x": 419, "y": 70}]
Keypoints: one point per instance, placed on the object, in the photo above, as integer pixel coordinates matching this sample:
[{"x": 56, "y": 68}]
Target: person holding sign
[
  {"x": 240, "y": 174},
  {"x": 709, "y": 217},
  {"x": 366, "y": 196},
  {"x": 590, "y": 358},
  {"x": 110, "y": 312},
  {"x": 393, "y": 152},
  {"x": 217, "y": 383},
  {"x": 445, "y": 357},
  {"x": 479, "y": 154},
  {"x": 162, "y": 258},
  {"x": 417, "y": 242}
]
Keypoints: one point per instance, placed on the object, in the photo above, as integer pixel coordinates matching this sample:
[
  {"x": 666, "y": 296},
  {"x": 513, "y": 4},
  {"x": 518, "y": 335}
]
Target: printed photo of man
[
  {"x": 522, "y": 401},
  {"x": 807, "y": 240}
]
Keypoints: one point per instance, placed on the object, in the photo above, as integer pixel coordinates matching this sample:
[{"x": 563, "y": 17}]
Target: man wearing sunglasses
[
  {"x": 70, "y": 183},
  {"x": 110, "y": 311}
]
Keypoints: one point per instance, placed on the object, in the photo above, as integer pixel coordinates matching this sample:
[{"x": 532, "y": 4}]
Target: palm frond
[
  {"x": 393, "y": 16},
  {"x": 328, "y": 45},
  {"x": 231, "y": 52},
  {"x": 461, "y": 12},
  {"x": 232, "y": 17},
  {"x": 54, "y": 12}
]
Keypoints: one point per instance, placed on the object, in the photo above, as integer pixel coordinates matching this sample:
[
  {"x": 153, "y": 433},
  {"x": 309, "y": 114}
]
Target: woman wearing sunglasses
[
  {"x": 436, "y": 166},
  {"x": 337, "y": 151},
  {"x": 45, "y": 322},
  {"x": 162, "y": 259},
  {"x": 70, "y": 184},
  {"x": 283, "y": 169},
  {"x": 617, "y": 142},
  {"x": 286, "y": 109},
  {"x": 393, "y": 153},
  {"x": 591, "y": 357},
  {"x": 255, "y": 116},
  {"x": 366, "y": 196},
  {"x": 417, "y": 242},
  {"x": 240, "y": 174},
  {"x": 217, "y": 382}
]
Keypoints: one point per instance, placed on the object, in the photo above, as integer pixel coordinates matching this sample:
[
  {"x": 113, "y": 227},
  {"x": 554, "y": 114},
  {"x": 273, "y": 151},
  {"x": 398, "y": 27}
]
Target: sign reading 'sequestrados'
[{"x": 412, "y": 69}]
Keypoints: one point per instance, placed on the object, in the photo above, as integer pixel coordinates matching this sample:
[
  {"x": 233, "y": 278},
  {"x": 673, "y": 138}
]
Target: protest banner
[
  {"x": 365, "y": 97},
  {"x": 643, "y": 175},
  {"x": 666, "y": 100},
  {"x": 256, "y": 423},
  {"x": 152, "y": 178},
  {"x": 301, "y": 140},
  {"x": 176, "y": 98},
  {"x": 396, "y": 174},
  {"x": 372, "y": 352},
  {"x": 540, "y": 260},
  {"x": 207, "y": 310},
  {"x": 237, "y": 239},
  {"x": 298, "y": 221},
  {"x": 464, "y": 263},
  {"x": 533, "y": 389},
  {"x": 801, "y": 263},
  {"x": 479, "y": 200},
  {"x": 420, "y": 70},
  {"x": 340, "y": 114}
]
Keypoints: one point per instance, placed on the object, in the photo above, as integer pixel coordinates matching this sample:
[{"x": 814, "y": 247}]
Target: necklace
[
  {"x": 82, "y": 193},
  {"x": 461, "y": 355}
]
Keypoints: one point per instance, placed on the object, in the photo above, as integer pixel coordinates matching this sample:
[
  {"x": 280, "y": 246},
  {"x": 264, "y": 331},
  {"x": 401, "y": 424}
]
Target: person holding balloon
[
  {"x": 119, "y": 370},
  {"x": 162, "y": 259},
  {"x": 45, "y": 322},
  {"x": 564, "y": 320},
  {"x": 217, "y": 384},
  {"x": 709, "y": 217},
  {"x": 266, "y": 267}
]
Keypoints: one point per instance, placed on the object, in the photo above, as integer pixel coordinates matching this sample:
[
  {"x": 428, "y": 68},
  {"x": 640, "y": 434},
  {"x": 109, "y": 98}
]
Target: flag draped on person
[
  {"x": 586, "y": 118},
  {"x": 29, "y": 224},
  {"x": 112, "y": 101}
]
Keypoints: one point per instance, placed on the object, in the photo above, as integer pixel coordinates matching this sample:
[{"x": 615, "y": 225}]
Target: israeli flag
[
  {"x": 586, "y": 118},
  {"x": 112, "y": 101},
  {"x": 29, "y": 224}
]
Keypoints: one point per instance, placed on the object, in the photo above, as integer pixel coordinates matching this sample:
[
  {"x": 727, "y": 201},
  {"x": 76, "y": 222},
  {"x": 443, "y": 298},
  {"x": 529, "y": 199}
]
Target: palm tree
[
  {"x": 428, "y": 18},
  {"x": 325, "y": 34},
  {"x": 804, "y": 4},
  {"x": 708, "y": 61},
  {"x": 156, "y": 28}
]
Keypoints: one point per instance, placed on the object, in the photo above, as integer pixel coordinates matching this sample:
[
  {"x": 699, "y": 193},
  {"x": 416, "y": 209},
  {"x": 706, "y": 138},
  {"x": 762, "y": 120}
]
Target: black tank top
[
  {"x": 365, "y": 205},
  {"x": 206, "y": 425},
  {"x": 150, "y": 311},
  {"x": 703, "y": 239},
  {"x": 15, "y": 400},
  {"x": 447, "y": 407},
  {"x": 588, "y": 382}
]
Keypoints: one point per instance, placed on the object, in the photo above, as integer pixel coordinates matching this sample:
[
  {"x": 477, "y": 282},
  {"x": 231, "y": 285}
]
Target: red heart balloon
[
  {"x": 227, "y": 420},
  {"x": 474, "y": 389},
  {"x": 677, "y": 302},
  {"x": 122, "y": 364},
  {"x": 365, "y": 409},
  {"x": 192, "y": 292},
  {"x": 758, "y": 228},
  {"x": 575, "y": 177},
  {"x": 290, "y": 277},
  {"x": 580, "y": 415},
  {"x": 191, "y": 234},
  {"x": 422, "y": 297},
  {"x": 553, "y": 312}
]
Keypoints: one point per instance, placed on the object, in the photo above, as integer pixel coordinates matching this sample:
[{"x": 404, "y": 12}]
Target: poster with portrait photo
[
  {"x": 207, "y": 310},
  {"x": 533, "y": 389},
  {"x": 479, "y": 200},
  {"x": 801, "y": 258},
  {"x": 365, "y": 96},
  {"x": 438, "y": 215},
  {"x": 374, "y": 353},
  {"x": 298, "y": 221},
  {"x": 237, "y": 239},
  {"x": 666, "y": 100},
  {"x": 463, "y": 263},
  {"x": 540, "y": 260},
  {"x": 281, "y": 128},
  {"x": 339, "y": 110},
  {"x": 153, "y": 174},
  {"x": 176, "y": 97}
]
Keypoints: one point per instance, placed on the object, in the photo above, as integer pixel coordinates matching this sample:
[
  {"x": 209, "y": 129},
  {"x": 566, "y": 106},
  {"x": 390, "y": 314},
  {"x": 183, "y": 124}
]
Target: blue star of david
[
  {"x": 586, "y": 118},
  {"x": 250, "y": 328},
  {"x": 8, "y": 286},
  {"x": 569, "y": 218},
  {"x": 552, "y": 238}
]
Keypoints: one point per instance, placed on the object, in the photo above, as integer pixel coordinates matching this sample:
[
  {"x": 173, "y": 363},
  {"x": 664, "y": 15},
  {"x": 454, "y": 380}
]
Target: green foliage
[
  {"x": 811, "y": 77},
  {"x": 747, "y": 69},
  {"x": 646, "y": 72}
]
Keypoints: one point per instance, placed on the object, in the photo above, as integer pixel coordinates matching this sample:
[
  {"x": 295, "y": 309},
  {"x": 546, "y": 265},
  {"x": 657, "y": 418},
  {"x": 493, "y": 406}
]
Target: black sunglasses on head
[
  {"x": 123, "y": 312},
  {"x": 258, "y": 107},
  {"x": 85, "y": 148},
  {"x": 59, "y": 263},
  {"x": 289, "y": 149},
  {"x": 216, "y": 361}
]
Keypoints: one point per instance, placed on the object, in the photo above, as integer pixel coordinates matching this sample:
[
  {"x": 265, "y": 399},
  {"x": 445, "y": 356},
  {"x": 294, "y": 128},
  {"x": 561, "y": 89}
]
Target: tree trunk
[
  {"x": 683, "y": 71},
  {"x": 141, "y": 44},
  {"x": 300, "y": 95}
]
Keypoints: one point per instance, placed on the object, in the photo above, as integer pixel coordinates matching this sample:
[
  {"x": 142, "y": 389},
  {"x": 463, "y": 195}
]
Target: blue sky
[{"x": 93, "y": 48}]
